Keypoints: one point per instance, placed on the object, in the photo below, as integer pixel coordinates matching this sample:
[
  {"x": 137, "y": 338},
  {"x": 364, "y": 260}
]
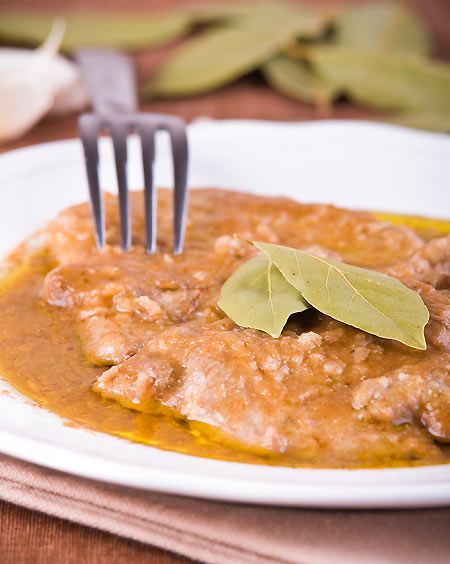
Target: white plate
[{"x": 353, "y": 164}]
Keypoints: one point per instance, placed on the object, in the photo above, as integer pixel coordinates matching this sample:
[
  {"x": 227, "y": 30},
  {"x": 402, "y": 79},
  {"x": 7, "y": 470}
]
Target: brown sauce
[{"x": 41, "y": 356}]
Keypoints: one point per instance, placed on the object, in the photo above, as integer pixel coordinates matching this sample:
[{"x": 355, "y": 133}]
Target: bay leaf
[
  {"x": 391, "y": 81},
  {"x": 297, "y": 80},
  {"x": 96, "y": 29},
  {"x": 365, "y": 299},
  {"x": 430, "y": 120},
  {"x": 383, "y": 26},
  {"x": 257, "y": 296},
  {"x": 219, "y": 11},
  {"x": 227, "y": 52}
]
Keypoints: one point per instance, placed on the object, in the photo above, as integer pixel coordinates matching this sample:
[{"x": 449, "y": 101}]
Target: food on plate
[{"x": 141, "y": 345}]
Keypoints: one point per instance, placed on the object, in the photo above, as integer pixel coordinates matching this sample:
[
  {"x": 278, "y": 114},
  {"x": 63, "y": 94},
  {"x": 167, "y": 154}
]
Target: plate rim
[{"x": 309, "y": 494}]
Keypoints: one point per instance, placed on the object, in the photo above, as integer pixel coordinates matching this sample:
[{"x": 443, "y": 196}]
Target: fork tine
[
  {"x": 177, "y": 131},
  {"x": 89, "y": 125},
  {"x": 119, "y": 134},
  {"x": 147, "y": 133}
]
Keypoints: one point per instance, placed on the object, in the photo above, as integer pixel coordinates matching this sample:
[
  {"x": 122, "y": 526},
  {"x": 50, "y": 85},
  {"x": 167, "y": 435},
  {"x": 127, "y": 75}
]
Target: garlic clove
[
  {"x": 33, "y": 82},
  {"x": 24, "y": 98},
  {"x": 72, "y": 95}
]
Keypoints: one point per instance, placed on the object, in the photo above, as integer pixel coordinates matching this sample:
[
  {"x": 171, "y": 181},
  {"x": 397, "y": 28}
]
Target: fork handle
[{"x": 110, "y": 79}]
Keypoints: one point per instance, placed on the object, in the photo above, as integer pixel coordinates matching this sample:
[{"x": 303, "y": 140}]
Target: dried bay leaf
[
  {"x": 258, "y": 296},
  {"x": 390, "y": 81},
  {"x": 99, "y": 29},
  {"x": 365, "y": 299},
  {"x": 384, "y": 26},
  {"x": 295, "y": 78},
  {"x": 227, "y": 52},
  {"x": 430, "y": 120},
  {"x": 218, "y": 11}
]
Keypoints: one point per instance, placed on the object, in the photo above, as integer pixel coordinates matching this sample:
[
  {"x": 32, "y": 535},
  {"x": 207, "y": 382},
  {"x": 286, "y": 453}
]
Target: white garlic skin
[{"x": 34, "y": 83}]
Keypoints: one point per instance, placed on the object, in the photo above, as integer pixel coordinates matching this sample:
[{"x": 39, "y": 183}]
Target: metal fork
[{"x": 110, "y": 78}]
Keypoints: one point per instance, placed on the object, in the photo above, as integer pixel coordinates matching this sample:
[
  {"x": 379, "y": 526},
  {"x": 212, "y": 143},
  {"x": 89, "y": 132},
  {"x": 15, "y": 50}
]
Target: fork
[{"x": 110, "y": 78}]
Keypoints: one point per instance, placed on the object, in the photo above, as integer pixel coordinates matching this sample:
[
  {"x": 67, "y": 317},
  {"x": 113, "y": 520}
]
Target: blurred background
[{"x": 387, "y": 61}]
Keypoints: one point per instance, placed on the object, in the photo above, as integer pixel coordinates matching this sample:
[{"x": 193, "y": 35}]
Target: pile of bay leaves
[{"x": 375, "y": 54}]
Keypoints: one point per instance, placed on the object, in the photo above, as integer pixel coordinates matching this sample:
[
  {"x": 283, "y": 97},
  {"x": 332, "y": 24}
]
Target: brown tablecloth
[
  {"x": 231, "y": 533},
  {"x": 30, "y": 537}
]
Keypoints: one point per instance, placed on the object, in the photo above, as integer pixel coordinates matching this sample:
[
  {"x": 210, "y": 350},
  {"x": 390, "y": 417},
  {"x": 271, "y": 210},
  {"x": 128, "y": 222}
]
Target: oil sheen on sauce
[{"x": 40, "y": 355}]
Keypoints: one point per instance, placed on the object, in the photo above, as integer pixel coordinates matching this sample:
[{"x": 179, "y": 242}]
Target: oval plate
[{"x": 352, "y": 164}]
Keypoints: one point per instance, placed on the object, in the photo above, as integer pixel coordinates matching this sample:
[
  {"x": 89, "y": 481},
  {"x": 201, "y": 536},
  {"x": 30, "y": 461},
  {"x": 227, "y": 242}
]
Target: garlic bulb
[{"x": 35, "y": 82}]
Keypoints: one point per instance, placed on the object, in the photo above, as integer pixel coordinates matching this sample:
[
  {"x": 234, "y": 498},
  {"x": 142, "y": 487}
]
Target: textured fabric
[
  {"x": 55, "y": 541},
  {"x": 221, "y": 533}
]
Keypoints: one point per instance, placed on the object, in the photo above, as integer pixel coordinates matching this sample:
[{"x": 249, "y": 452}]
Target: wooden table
[{"x": 27, "y": 537}]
